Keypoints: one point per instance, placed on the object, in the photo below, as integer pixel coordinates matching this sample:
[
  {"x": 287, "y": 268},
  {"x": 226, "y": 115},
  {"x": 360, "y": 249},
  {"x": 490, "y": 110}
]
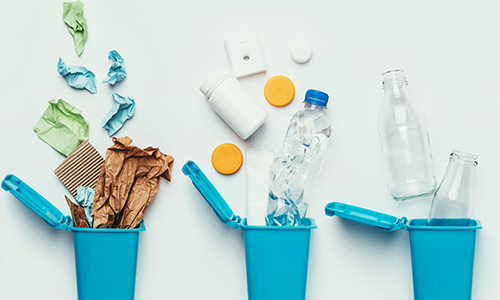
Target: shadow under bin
[
  {"x": 442, "y": 256},
  {"x": 105, "y": 259},
  {"x": 271, "y": 273}
]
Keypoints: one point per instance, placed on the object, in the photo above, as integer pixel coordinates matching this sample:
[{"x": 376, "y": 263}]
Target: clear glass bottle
[
  {"x": 404, "y": 141},
  {"x": 452, "y": 203}
]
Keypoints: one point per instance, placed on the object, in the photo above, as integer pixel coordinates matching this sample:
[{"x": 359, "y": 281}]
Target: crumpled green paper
[
  {"x": 77, "y": 24},
  {"x": 62, "y": 126}
]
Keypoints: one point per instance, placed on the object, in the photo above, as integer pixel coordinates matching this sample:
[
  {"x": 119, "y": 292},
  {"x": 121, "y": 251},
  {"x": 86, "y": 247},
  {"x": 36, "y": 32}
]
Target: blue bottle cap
[{"x": 316, "y": 97}]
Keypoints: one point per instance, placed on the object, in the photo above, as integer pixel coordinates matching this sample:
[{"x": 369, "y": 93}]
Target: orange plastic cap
[
  {"x": 279, "y": 91},
  {"x": 227, "y": 159}
]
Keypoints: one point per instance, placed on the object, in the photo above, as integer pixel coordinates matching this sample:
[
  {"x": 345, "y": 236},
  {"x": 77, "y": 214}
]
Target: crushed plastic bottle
[{"x": 306, "y": 140}]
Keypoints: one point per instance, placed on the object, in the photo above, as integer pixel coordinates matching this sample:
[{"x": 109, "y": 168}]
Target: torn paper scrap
[
  {"x": 257, "y": 165},
  {"x": 85, "y": 197},
  {"x": 128, "y": 183},
  {"x": 78, "y": 214},
  {"x": 62, "y": 126},
  {"x": 81, "y": 168},
  {"x": 77, "y": 76},
  {"x": 117, "y": 70},
  {"x": 77, "y": 24},
  {"x": 122, "y": 110}
]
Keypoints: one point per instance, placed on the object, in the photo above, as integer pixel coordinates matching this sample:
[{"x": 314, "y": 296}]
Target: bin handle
[{"x": 38, "y": 204}]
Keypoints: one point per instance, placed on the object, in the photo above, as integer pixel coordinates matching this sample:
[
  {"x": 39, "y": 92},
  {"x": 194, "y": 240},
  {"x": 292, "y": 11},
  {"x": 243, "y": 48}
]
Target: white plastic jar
[{"x": 234, "y": 104}]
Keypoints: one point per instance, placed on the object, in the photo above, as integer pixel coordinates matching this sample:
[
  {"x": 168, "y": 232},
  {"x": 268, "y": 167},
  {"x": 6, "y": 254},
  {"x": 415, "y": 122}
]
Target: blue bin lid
[
  {"x": 34, "y": 201},
  {"x": 365, "y": 216},
  {"x": 211, "y": 195}
]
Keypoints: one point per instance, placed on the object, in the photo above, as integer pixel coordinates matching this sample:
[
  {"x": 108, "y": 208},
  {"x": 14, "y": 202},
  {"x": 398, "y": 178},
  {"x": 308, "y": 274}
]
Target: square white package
[
  {"x": 257, "y": 165},
  {"x": 245, "y": 54}
]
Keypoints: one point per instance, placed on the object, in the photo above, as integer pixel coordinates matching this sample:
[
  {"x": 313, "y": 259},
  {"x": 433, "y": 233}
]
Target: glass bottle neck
[
  {"x": 395, "y": 79},
  {"x": 470, "y": 160},
  {"x": 395, "y": 85},
  {"x": 459, "y": 175}
]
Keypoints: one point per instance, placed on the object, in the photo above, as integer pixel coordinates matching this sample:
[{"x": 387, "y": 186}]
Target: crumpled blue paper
[
  {"x": 117, "y": 70},
  {"x": 77, "y": 76},
  {"x": 122, "y": 110},
  {"x": 85, "y": 197}
]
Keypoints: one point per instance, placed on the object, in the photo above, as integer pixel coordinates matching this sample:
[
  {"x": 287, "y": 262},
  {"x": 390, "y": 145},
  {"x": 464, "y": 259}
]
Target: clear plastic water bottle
[
  {"x": 452, "y": 203},
  {"x": 404, "y": 141},
  {"x": 306, "y": 140}
]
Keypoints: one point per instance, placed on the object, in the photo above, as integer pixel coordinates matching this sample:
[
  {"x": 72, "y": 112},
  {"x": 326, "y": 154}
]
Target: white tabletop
[{"x": 449, "y": 50}]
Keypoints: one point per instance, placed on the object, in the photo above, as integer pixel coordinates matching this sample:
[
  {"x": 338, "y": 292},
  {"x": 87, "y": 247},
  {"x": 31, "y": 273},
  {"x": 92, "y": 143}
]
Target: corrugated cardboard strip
[{"x": 81, "y": 168}]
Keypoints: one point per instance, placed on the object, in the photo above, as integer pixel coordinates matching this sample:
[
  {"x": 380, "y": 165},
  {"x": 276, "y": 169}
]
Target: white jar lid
[{"x": 301, "y": 51}]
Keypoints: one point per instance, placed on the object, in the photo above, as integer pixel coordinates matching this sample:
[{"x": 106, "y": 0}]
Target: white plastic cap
[
  {"x": 212, "y": 81},
  {"x": 301, "y": 51}
]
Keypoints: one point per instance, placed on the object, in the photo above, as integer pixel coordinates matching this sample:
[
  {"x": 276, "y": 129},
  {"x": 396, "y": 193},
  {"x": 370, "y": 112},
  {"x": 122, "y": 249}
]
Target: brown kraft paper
[
  {"x": 78, "y": 214},
  {"x": 128, "y": 183}
]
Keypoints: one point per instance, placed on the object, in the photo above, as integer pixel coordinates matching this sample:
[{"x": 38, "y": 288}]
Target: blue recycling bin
[
  {"x": 442, "y": 256},
  {"x": 105, "y": 259},
  {"x": 280, "y": 273}
]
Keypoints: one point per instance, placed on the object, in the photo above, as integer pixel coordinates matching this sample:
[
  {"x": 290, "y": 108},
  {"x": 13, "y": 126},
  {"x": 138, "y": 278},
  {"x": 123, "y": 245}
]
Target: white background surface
[{"x": 449, "y": 50}]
